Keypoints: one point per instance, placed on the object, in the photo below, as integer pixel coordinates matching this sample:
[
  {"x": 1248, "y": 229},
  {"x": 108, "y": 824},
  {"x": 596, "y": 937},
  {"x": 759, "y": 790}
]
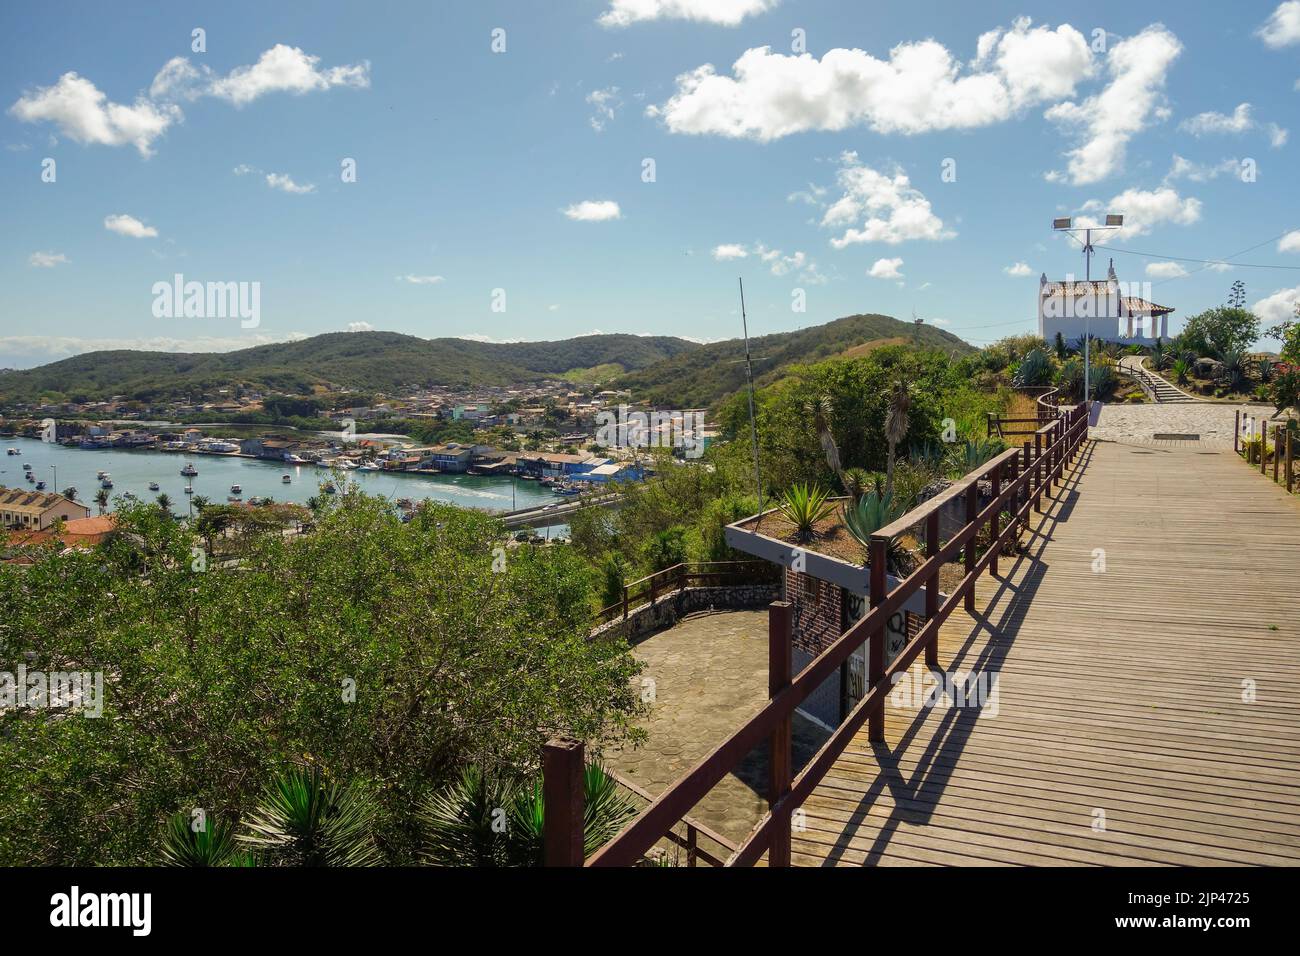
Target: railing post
[
  {"x": 780, "y": 765},
  {"x": 995, "y": 522},
  {"x": 972, "y": 512},
  {"x": 691, "y": 841},
  {"x": 876, "y": 645},
  {"x": 1038, "y": 472},
  {"x": 1028, "y": 488},
  {"x": 1236, "y": 432},
  {"x": 625, "y": 602},
  {"x": 563, "y": 769},
  {"x": 652, "y": 589},
  {"x": 1290, "y": 469},
  {"x": 1277, "y": 450},
  {"x": 932, "y": 587}
]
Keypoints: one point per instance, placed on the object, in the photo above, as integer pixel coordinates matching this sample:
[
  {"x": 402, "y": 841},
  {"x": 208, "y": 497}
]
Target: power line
[{"x": 1208, "y": 262}]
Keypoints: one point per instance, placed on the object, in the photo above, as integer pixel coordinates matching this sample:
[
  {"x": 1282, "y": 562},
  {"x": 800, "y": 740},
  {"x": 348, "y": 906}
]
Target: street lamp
[{"x": 1067, "y": 225}]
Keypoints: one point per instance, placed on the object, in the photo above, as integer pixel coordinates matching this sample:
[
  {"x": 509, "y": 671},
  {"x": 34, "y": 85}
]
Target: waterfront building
[{"x": 24, "y": 510}]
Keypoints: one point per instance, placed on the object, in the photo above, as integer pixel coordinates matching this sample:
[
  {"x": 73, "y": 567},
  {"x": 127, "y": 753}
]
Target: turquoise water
[{"x": 133, "y": 470}]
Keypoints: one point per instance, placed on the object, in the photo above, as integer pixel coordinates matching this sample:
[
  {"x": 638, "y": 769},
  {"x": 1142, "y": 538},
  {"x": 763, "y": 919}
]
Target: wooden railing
[
  {"x": 1257, "y": 438},
  {"x": 1047, "y": 402},
  {"x": 649, "y": 589},
  {"x": 1018, "y": 479}
]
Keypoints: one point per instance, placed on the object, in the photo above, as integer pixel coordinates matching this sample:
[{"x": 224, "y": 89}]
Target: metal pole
[{"x": 749, "y": 375}]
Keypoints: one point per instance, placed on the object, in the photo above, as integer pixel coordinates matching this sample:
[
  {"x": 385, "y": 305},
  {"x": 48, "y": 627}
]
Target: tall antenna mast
[{"x": 749, "y": 377}]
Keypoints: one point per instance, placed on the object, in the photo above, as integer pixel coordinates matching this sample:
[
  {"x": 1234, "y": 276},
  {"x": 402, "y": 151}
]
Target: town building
[
  {"x": 1107, "y": 309},
  {"x": 25, "y": 510}
]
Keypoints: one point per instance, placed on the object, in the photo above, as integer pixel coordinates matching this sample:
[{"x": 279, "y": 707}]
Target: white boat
[
  {"x": 27, "y": 467},
  {"x": 345, "y": 464},
  {"x": 106, "y": 482},
  {"x": 189, "y": 471},
  {"x": 236, "y": 490},
  {"x": 189, "y": 489},
  {"x": 286, "y": 478},
  {"x": 13, "y": 451},
  {"x": 101, "y": 475},
  {"x": 153, "y": 486},
  {"x": 325, "y": 463},
  {"x": 371, "y": 466},
  {"x": 296, "y": 460}
]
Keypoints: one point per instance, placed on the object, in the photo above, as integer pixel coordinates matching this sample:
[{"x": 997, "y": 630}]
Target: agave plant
[
  {"x": 968, "y": 456},
  {"x": 1161, "y": 356},
  {"x": 927, "y": 454},
  {"x": 805, "y": 505},
  {"x": 1234, "y": 369},
  {"x": 1102, "y": 380},
  {"x": 481, "y": 820},
  {"x": 1034, "y": 369},
  {"x": 868, "y": 515},
  {"x": 1070, "y": 378},
  {"x": 305, "y": 820},
  {"x": 1182, "y": 370},
  {"x": 211, "y": 845}
]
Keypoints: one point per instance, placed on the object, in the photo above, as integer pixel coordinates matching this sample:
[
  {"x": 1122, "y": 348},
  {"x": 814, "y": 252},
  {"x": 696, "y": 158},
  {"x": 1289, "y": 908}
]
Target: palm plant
[
  {"x": 804, "y": 506},
  {"x": 821, "y": 412},
  {"x": 867, "y": 516},
  {"x": 896, "y": 424},
  {"x": 70, "y": 493},
  {"x": 101, "y": 499},
  {"x": 1182, "y": 371},
  {"x": 1062, "y": 350},
  {"x": 213, "y": 845},
  {"x": 165, "y": 503},
  {"x": 1161, "y": 356},
  {"x": 305, "y": 820},
  {"x": 480, "y": 820},
  {"x": 1233, "y": 368}
]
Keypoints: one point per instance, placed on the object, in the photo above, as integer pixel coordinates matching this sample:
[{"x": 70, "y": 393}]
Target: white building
[{"x": 1107, "y": 308}]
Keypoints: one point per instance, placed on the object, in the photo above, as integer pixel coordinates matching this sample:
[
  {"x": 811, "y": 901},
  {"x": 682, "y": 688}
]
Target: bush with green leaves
[
  {"x": 1034, "y": 369},
  {"x": 969, "y": 455},
  {"x": 384, "y": 653}
]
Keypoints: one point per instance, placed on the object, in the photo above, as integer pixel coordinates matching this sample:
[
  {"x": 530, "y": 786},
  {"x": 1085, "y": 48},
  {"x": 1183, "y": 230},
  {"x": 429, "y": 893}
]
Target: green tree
[{"x": 1220, "y": 330}]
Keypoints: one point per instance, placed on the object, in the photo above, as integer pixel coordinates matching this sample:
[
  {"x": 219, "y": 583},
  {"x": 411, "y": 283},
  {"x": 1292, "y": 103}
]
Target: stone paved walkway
[
  {"x": 710, "y": 676},
  {"x": 1136, "y": 424}
]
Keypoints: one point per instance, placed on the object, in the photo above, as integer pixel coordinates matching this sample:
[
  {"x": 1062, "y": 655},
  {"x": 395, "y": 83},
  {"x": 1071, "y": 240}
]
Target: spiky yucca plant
[
  {"x": 805, "y": 505},
  {"x": 212, "y": 845},
  {"x": 972, "y": 453},
  {"x": 305, "y": 820}
]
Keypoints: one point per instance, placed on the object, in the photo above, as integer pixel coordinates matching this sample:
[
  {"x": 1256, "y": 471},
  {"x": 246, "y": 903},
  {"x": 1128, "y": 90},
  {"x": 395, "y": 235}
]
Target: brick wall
[{"x": 818, "y": 616}]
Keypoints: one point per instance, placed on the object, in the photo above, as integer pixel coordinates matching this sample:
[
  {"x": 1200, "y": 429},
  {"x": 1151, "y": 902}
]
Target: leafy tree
[
  {"x": 386, "y": 654},
  {"x": 666, "y": 548},
  {"x": 1220, "y": 330}
]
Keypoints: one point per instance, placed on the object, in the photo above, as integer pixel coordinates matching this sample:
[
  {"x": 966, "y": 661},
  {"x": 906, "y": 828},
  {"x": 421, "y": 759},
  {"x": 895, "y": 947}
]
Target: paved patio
[{"x": 710, "y": 676}]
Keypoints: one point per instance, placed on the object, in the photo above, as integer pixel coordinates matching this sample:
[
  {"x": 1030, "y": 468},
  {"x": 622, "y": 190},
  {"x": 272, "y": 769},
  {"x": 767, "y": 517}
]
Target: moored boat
[
  {"x": 189, "y": 471},
  {"x": 153, "y": 486},
  {"x": 286, "y": 478}
]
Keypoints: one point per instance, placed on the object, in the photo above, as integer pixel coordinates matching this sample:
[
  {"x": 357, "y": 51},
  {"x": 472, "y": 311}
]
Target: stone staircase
[{"x": 1155, "y": 385}]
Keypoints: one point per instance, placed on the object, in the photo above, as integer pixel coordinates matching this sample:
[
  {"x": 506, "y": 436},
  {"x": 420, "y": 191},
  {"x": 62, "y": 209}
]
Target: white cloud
[
  {"x": 1143, "y": 210},
  {"x": 85, "y": 115},
  {"x": 46, "y": 260},
  {"x": 1241, "y": 121},
  {"x": 1290, "y": 242},
  {"x": 360, "y": 327},
  {"x": 284, "y": 183},
  {"x": 1165, "y": 270},
  {"x": 593, "y": 210},
  {"x": 886, "y": 269},
  {"x": 890, "y": 209},
  {"x": 1107, "y": 121},
  {"x": 421, "y": 280},
  {"x": 285, "y": 69},
  {"x": 1283, "y": 27},
  {"x": 1198, "y": 172},
  {"x": 606, "y": 103},
  {"x": 1278, "y": 307},
  {"x": 125, "y": 225},
  {"x": 1019, "y": 270},
  {"x": 728, "y": 251},
  {"x": 921, "y": 87},
  {"x": 621, "y": 13}
]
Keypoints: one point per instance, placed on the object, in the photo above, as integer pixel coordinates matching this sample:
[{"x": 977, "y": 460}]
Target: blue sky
[{"x": 930, "y": 145}]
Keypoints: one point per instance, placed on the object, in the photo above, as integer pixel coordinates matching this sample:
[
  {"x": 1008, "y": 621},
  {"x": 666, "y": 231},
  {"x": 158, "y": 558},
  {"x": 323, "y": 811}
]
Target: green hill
[
  {"x": 363, "y": 361},
  {"x": 701, "y": 377}
]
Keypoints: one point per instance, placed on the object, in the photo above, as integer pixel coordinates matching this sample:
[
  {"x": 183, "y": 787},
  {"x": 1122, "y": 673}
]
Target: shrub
[
  {"x": 1034, "y": 369},
  {"x": 871, "y": 513},
  {"x": 805, "y": 505}
]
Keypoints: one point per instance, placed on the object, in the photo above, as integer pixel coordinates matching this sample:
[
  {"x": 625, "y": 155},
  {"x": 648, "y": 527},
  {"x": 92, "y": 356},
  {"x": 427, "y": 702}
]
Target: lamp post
[{"x": 1067, "y": 225}]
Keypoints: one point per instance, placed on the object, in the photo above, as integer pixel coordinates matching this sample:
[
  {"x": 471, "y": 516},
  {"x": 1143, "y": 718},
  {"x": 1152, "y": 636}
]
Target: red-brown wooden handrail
[{"x": 1064, "y": 435}]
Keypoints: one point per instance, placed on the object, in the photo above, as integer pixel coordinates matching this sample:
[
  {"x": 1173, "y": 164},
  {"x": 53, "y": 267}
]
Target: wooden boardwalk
[{"x": 1120, "y": 735}]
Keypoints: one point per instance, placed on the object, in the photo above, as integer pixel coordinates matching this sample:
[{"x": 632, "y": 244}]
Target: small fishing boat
[
  {"x": 40, "y": 486},
  {"x": 371, "y": 466},
  {"x": 286, "y": 478},
  {"x": 27, "y": 467},
  {"x": 101, "y": 475},
  {"x": 233, "y": 499},
  {"x": 106, "y": 482},
  {"x": 236, "y": 490},
  {"x": 189, "y": 489},
  {"x": 153, "y": 486},
  {"x": 189, "y": 471},
  {"x": 329, "y": 488},
  {"x": 13, "y": 451}
]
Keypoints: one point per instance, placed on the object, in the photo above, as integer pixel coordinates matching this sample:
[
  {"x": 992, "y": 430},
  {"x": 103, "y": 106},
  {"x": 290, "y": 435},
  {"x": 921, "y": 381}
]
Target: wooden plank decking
[{"x": 1119, "y": 693}]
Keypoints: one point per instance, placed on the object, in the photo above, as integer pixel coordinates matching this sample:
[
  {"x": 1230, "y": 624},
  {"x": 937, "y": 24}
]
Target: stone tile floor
[
  {"x": 710, "y": 676},
  {"x": 1136, "y": 424}
]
